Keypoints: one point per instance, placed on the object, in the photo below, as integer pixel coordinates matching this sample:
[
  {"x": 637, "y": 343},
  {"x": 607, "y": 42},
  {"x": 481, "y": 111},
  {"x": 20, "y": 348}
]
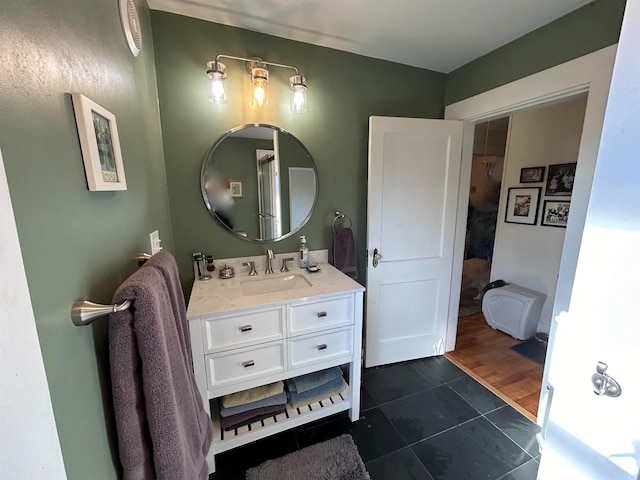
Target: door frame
[{"x": 587, "y": 74}]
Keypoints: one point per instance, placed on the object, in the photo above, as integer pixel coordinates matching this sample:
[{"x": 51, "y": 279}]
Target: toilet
[{"x": 513, "y": 309}]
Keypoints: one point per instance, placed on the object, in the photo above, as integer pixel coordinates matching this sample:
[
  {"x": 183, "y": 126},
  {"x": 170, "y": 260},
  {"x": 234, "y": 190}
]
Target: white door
[
  {"x": 587, "y": 436},
  {"x": 414, "y": 167}
]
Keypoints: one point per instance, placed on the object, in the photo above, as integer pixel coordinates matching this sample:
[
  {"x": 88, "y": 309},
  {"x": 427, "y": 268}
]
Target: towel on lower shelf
[
  {"x": 279, "y": 399},
  {"x": 235, "y": 421},
  {"x": 252, "y": 395},
  {"x": 312, "y": 380},
  {"x": 332, "y": 387}
]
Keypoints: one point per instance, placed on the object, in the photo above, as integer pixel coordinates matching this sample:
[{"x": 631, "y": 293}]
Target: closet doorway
[
  {"x": 525, "y": 254},
  {"x": 489, "y": 146}
]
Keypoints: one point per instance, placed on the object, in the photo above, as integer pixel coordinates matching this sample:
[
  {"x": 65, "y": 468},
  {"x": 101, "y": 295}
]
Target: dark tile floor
[{"x": 420, "y": 420}]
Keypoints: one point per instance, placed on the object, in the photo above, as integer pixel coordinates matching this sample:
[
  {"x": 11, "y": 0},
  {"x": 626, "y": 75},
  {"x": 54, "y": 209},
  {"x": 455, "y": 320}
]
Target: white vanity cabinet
[{"x": 240, "y": 342}]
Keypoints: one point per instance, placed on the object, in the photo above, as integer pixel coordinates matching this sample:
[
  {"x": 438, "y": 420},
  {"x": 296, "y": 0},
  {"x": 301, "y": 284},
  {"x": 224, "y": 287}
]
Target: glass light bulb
[
  {"x": 298, "y": 96},
  {"x": 216, "y": 72},
  {"x": 259, "y": 96},
  {"x": 259, "y": 82},
  {"x": 298, "y": 101},
  {"x": 259, "y": 99},
  {"x": 218, "y": 94}
]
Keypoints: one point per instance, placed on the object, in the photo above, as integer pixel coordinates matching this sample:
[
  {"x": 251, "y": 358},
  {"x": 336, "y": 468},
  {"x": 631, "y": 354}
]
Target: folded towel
[
  {"x": 302, "y": 397},
  {"x": 298, "y": 401},
  {"x": 278, "y": 399},
  {"x": 312, "y": 380},
  {"x": 162, "y": 428},
  {"x": 257, "y": 418},
  {"x": 252, "y": 395},
  {"x": 235, "y": 421},
  {"x": 345, "y": 257}
]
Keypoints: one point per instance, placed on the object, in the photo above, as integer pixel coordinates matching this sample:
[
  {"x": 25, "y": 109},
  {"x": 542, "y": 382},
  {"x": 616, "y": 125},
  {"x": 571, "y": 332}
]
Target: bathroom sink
[{"x": 274, "y": 284}]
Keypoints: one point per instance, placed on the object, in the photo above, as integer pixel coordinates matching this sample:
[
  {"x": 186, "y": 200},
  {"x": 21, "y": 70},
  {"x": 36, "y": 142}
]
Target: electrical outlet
[{"x": 154, "y": 241}]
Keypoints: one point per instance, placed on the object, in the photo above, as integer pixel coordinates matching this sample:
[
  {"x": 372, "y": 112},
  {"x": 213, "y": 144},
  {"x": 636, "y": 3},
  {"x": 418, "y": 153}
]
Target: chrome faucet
[
  {"x": 252, "y": 268},
  {"x": 270, "y": 257},
  {"x": 284, "y": 268}
]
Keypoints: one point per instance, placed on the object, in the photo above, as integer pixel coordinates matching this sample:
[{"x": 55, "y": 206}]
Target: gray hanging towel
[
  {"x": 163, "y": 430},
  {"x": 345, "y": 256}
]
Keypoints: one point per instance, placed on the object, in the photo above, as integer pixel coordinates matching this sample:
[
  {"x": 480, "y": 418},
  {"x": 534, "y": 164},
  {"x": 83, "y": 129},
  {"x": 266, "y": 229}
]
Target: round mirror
[{"x": 259, "y": 182}]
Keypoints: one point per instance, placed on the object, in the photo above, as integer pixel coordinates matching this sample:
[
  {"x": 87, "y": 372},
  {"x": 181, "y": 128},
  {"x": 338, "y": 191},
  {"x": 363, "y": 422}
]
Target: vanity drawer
[
  {"x": 321, "y": 315},
  {"x": 308, "y": 349},
  {"x": 244, "y": 364},
  {"x": 245, "y": 329}
]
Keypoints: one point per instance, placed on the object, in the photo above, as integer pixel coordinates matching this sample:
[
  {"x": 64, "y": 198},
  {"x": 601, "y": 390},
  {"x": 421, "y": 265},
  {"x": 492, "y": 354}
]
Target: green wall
[
  {"x": 585, "y": 30},
  {"x": 344, "y": 90},
  {"x": 78, "y": 244}
]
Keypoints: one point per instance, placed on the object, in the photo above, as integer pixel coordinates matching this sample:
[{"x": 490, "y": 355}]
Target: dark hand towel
[
  {"x": 345, "y": 257},
  {"x": 163, "y": 430}
]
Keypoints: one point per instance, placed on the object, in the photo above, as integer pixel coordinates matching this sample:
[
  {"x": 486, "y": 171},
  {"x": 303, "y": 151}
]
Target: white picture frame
[
  {"x": 100, "y": 145},
  {"x": 235, "y": 186}
]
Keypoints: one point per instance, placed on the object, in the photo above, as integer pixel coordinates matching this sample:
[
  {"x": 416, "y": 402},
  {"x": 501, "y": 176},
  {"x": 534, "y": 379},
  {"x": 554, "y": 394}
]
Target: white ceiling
[{"x": 439, "y": 35}]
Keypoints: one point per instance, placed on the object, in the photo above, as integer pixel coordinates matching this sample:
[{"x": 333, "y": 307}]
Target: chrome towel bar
[{"x": 84, "y": 312}]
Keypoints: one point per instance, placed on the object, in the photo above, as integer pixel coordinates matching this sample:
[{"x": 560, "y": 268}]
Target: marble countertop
[{"x": 225, "y": 295}]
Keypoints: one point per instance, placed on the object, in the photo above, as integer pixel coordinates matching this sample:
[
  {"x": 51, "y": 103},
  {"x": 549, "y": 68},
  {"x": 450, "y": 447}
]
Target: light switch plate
[{"x": 154, "y": 242}]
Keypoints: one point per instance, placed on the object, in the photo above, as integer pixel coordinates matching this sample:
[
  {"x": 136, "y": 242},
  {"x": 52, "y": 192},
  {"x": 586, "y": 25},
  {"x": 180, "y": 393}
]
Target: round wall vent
[{"x": 131, "y": 26}]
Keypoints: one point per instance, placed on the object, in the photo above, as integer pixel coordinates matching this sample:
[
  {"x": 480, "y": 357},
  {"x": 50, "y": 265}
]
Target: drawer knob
[
  {"x": 322, "y": 314},
  {"x": 322, "y": 346},
  {"x": 248, "y": 363},
  {"x": 246, "y": 328}
]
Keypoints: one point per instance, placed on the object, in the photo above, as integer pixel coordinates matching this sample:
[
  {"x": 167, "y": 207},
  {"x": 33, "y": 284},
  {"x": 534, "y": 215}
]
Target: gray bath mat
[
  {"x": 335, "y": 459},
  {"x": 532, "y": 349}
]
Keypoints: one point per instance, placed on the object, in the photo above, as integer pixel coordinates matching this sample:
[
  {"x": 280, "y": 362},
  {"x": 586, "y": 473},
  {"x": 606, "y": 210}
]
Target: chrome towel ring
[{"x": 340, "y": 215}]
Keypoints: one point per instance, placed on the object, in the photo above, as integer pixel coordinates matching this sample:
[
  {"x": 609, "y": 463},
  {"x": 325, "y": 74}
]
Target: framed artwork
[
  {"x": 522, "y": 205},
  {"x": 236, "y": 188},
  {"x": 100, "y": 145},
  {"x": 555, "y": 213},
  {"x": 532, "y": 174},
  {"x": 560, "y": 180}
]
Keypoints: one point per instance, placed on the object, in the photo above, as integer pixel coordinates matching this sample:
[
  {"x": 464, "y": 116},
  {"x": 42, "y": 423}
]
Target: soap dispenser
[{"x": 303, "y": 257}]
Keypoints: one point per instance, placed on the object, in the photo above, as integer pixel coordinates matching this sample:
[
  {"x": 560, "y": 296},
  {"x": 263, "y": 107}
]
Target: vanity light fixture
[{"x": 259, "y": 72}]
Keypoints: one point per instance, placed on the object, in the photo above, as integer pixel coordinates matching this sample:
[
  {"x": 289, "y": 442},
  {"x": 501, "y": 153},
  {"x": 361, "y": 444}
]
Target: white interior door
[
  {"x": 587, "y": 436},
  {"x": 414, "y": 167}
]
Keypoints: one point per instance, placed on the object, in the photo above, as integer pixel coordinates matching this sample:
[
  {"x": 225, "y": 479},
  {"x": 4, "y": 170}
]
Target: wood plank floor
[{"x": 485, "y": 354}]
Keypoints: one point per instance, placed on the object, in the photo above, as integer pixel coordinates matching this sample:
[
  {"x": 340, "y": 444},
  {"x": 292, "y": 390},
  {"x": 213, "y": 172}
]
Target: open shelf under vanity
[{"x": 292, "y": 417}]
